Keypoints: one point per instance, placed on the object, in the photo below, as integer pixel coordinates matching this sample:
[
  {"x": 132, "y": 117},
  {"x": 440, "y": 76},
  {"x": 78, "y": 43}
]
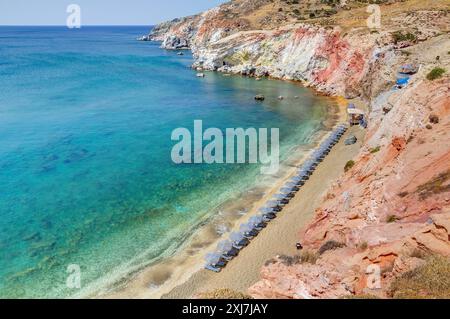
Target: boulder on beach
[
  {"x": 351, "y": 140},
  {"x": 260, "y": 97}
]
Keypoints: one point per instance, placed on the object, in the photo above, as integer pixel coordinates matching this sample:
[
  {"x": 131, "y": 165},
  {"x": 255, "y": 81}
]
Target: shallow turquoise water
[{"x": 85, "y": 170}]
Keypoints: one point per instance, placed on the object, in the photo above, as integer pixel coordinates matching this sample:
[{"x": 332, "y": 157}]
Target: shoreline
[
  {"x": 161, "y": 279},
  {"x": 280, "y": 236}
]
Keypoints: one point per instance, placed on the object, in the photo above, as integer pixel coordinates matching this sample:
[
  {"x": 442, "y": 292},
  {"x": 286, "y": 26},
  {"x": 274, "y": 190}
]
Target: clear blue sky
[{"x": 99, "y": 12}]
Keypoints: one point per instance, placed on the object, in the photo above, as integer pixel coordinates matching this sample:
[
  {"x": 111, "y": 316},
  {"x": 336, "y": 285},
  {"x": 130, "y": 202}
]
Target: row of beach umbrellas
[{"x": 229, "y": 248}]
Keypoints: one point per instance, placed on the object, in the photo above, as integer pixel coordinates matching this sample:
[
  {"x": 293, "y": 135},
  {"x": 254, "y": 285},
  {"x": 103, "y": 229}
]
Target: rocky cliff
[{"x": 392, "y": 207}]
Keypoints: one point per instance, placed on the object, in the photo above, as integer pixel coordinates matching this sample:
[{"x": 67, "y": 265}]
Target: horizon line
[{"x": 85, "y": 25}]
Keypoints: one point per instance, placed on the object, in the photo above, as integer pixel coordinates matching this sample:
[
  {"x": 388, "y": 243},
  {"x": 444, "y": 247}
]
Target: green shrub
[
  {"x": 391, "y": 219},
  {"x": 436, "y": 73},
  {"x": 349, "y": 165},
  {"x": 436, "y": 185},
  {"x": 308, "y": 256},
  {"x": 375, "y": 149},
  {"x": 330, "y": 245},
  {"x": 363, "y": 245},
  {"x": 403, "y": 194},
  {"x": 400, "y": 36}
]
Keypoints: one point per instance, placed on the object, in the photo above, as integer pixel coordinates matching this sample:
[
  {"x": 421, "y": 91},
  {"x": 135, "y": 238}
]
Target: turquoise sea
[{"x": 86, "y": 176}]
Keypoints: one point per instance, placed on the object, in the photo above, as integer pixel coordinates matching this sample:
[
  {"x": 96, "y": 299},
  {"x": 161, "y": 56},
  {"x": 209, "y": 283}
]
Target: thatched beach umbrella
[
  {"x": 266, "y": 210},
  {"x": 245, "y": 228},
  {"x": 224, "y": 246},
  {"x": 236, "y": 237},
  {"x": 280, "y": 196},
  {"x": 273, "y": 203},
  {"x": 290, "y": 184},
  {"x": 286, "y": 190},
  {"x": 212, "y": 258},
  {"x": 255, "y": 220}
]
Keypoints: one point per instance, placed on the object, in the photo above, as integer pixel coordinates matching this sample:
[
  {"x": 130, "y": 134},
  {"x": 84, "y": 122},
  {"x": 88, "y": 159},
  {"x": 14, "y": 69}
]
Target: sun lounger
[
  {"x": 212, "y": 268},
  {"x": 266, "y": 210},
  {"x": 233, "y": 252},
  {"x": 268, "y": 217},
  {"x": 241, "y": 244},
  {"x": 251, "y": 234},
  {"x": 220, "y": 264},
  {"x": 298, "y": 183},
  {"x": 261, "y": 225},
  {"x": 288, "y": 190}
]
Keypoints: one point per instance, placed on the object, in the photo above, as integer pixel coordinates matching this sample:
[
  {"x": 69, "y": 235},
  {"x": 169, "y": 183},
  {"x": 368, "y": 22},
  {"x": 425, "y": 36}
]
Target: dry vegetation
[
  {"x": 431, "y": 281},
  {"x": 224, "y": 294},
  {"x": 437, "y": 185}
]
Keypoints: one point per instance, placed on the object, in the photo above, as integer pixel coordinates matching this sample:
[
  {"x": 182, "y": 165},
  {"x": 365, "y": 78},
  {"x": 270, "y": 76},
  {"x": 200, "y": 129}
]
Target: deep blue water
[{"x": 85, "y": 171}]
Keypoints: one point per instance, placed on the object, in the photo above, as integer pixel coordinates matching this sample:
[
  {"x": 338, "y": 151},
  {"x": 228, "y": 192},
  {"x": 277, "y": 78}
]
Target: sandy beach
[
  {"x": 281, "y": 235},
  {"x": 183, "y": 276}
]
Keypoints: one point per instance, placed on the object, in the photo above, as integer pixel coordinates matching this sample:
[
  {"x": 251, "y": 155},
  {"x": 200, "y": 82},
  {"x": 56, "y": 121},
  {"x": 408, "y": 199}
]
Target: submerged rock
[{"x": 260, "y": 97}]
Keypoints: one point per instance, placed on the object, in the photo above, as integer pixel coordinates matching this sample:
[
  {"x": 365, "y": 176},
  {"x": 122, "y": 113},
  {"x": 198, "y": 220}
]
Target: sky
[{"x": 99, "y": 12}]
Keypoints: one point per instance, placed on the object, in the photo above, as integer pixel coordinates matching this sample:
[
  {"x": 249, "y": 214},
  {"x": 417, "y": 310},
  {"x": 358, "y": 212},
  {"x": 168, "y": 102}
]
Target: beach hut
[
  {"x": 355, "y": 116},
  {"x": 408, "y": 69}
]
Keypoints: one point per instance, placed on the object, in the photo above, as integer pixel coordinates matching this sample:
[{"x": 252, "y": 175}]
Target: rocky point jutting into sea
[{"x": 392, "y": 206}]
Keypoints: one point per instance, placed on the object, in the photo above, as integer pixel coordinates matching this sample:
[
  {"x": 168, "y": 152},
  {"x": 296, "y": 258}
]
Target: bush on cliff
[
  {"x": 436, "y": 185},
  {"x": 391, "y": 219},
  {"x": 430, "y": 281},
  {"x": 349, "y": 165},
  {"x": 306, "y": 256},
  {"x": 330, "y": 245},
  {"x": 436, "y": 73},
  {"x": 400, "y": 36}
]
